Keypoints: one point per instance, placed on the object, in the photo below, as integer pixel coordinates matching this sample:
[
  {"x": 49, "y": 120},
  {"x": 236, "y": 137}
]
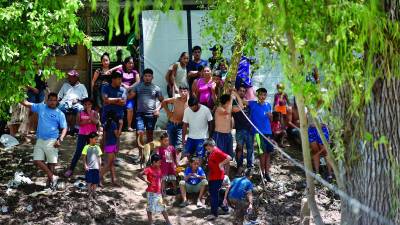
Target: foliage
[
  {"x": 29, "y": 31},
  {"x": 354, "y": 45},
  {"x": 133, "y": 8}
]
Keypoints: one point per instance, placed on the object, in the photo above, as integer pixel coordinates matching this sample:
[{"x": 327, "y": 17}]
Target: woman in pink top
[
  {"x": 204, "y": 89},
  {"x": 87, "y": 121},
  {"x": 130, "y": 77},
  {"x": 168, "y": 162}
]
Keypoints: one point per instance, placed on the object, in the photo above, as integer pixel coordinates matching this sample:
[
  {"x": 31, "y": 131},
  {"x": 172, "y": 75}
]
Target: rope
[{"x": 355, "y": 204}]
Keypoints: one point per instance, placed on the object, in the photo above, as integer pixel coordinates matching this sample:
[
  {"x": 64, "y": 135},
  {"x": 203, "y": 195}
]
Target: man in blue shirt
[
  {"x": 240, "y": 196},
  {"x": 261, "y": 116},
  {"x": 195, "y": 66},
  {"x": 194, "y": 182},
  {"x": 114, "y": 98},
  {"x": 51, "y": 120}
]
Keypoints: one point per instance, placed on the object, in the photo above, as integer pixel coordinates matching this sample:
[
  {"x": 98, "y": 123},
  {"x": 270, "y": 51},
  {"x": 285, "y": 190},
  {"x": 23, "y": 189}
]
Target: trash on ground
[
  {"x": 19, "y": 179},
  {"x": 80, "y": 185},
  {"x": 8, "y": 141}
]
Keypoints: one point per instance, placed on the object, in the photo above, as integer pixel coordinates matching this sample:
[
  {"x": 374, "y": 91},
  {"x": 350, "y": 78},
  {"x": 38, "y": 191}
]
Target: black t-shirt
[{"x": 241, "y": 122}]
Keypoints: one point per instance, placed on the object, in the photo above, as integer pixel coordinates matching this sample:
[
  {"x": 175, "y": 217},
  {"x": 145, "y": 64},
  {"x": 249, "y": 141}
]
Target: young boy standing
[
  {"x": 154, "y": 197},
  {"x": 217, "y": 160},
  {"x": 175, "y": 117},
  {"x": 92, "y": 161},
  {"x": 167, "y": 153},
  {"x": 261, "y": 116}
]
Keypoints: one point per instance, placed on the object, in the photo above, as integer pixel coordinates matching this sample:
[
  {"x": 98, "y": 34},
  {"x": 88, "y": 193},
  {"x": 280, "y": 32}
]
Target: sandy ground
[{"x": 276, "y": 203}]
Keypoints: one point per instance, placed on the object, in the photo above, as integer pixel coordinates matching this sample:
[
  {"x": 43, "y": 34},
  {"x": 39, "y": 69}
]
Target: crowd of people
[{"x": 202, "y": 119}]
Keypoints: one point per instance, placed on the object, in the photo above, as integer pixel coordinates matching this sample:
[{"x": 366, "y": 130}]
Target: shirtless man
[
  {"x": 175, "y": 117},
  {"x": 223, "y": 125},
  {"x": 293, "y": 123}
]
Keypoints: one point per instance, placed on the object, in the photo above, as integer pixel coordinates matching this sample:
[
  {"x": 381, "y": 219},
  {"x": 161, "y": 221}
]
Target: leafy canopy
[{"x": 29, "y": 31}]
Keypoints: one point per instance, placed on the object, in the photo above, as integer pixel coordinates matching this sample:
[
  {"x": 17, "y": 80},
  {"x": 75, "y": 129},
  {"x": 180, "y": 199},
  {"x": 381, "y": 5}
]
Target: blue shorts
[
  {"x": 145, "y": 121},
  {"x": 194, "y": 146},
  {"x": 263, "y": 145},
  {"x": 224, "y": 142},
  {"x": 313, "y": 135},
  {"x": 92, "y": 176},
  {"x": 130, "y": 104}
]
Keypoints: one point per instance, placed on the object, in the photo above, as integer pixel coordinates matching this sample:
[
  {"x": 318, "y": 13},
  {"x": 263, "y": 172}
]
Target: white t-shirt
[
  {"x": 69, "y": 93},
  {"x": 198, "y": 122}
]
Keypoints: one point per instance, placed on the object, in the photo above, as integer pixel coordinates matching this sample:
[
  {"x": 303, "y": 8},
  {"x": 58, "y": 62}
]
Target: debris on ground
[{"x": 19, "y": 179}]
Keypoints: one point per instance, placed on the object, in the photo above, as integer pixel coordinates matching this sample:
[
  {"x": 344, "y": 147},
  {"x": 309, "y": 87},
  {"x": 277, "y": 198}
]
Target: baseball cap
[
  {"x": 73, "y": 73},
  {"x": 217, "y": 47}
]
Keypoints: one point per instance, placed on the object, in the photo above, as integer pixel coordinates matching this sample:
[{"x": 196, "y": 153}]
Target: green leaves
[{"x": 29, "y": 30}]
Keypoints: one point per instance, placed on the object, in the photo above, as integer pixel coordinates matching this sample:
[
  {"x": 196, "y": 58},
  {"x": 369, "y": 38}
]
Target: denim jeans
[
  {"x": 244, "y": 137},
  {"x": 80, "y": 143},
  {"x": 175, "y": 134},
  {"x": 214, "y": 186}
]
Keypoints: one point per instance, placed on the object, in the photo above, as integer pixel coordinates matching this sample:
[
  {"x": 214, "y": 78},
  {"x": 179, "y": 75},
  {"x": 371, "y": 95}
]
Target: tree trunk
[{"x": 371, "y": 175}]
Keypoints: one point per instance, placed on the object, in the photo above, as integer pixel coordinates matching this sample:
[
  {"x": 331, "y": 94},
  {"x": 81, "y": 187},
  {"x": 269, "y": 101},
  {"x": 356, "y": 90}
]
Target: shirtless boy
[
  {"x": 175, "y": 116},
  {"x": 223, "y": 125}
]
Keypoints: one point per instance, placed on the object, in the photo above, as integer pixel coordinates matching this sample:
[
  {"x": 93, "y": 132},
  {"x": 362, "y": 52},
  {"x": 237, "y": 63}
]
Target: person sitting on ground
[
  {"x": 217, "y": 160},
  {"x": 198, "y": 119},
  {"x": 194, "y": 65},
  {"x": 130, "y": 78},
  {"x": 177, "y": 75},
  {"x": 175, "y": 117},
  {"x": 194, "y": 182},
  {"x": 278, "y": 131},
  {"x": 281, "y": 100},
  {"x": 87, "y": 121},
  {"x": 293, "y": 123},
  {"x": 204, "y": 89},
  {"x": 154, "y": 198},
  {"x": 92, "y": 162},
  {"x": 147, "y": 95},
  {"x": 70, "y": 96},
  {"x": 51, "y": 120},
  {"x": 243, "y": 131},
  {"x": 261, "y": 116},
  {"x": 111, "y": 134},
  {"x": 223, "y": 125},
  {"x": 168, "y": 156},
  {"x": 318, "y": 149},
  {"x": 240, "y": 196}
]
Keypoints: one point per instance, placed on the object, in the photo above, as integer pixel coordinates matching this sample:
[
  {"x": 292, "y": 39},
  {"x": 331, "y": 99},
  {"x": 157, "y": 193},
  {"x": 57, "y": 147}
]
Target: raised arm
[{"x": 26, "y": 104}]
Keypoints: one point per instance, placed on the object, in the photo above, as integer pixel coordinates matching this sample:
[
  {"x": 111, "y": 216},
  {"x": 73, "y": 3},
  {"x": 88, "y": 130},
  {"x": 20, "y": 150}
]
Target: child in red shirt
[
  {"x": 278, "y": 131},
  {"x": 217, "y": 159},
  {"x": 167, "y": 153},
  {"x": 153, "y": 179}
]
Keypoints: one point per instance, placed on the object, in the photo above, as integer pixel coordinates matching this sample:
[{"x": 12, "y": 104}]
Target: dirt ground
[{"x": 276, "y": 203}]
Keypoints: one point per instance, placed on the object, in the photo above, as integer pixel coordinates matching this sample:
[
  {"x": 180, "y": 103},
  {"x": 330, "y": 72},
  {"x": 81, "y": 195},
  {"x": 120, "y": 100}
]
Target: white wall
[{"x": 164, "y": 41}]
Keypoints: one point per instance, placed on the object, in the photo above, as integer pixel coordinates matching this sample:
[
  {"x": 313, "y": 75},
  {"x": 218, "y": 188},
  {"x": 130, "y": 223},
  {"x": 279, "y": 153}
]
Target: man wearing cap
[
  {"x": 70, "y": 96},
  {"x": 216, "y": 57}
]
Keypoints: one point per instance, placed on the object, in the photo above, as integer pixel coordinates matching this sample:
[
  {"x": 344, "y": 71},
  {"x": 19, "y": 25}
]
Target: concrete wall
[{"x": 78, "y": 62}]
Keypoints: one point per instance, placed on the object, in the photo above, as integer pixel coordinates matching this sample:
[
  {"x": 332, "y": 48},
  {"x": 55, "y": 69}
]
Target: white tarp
[{"x": 164, "y": 40}]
